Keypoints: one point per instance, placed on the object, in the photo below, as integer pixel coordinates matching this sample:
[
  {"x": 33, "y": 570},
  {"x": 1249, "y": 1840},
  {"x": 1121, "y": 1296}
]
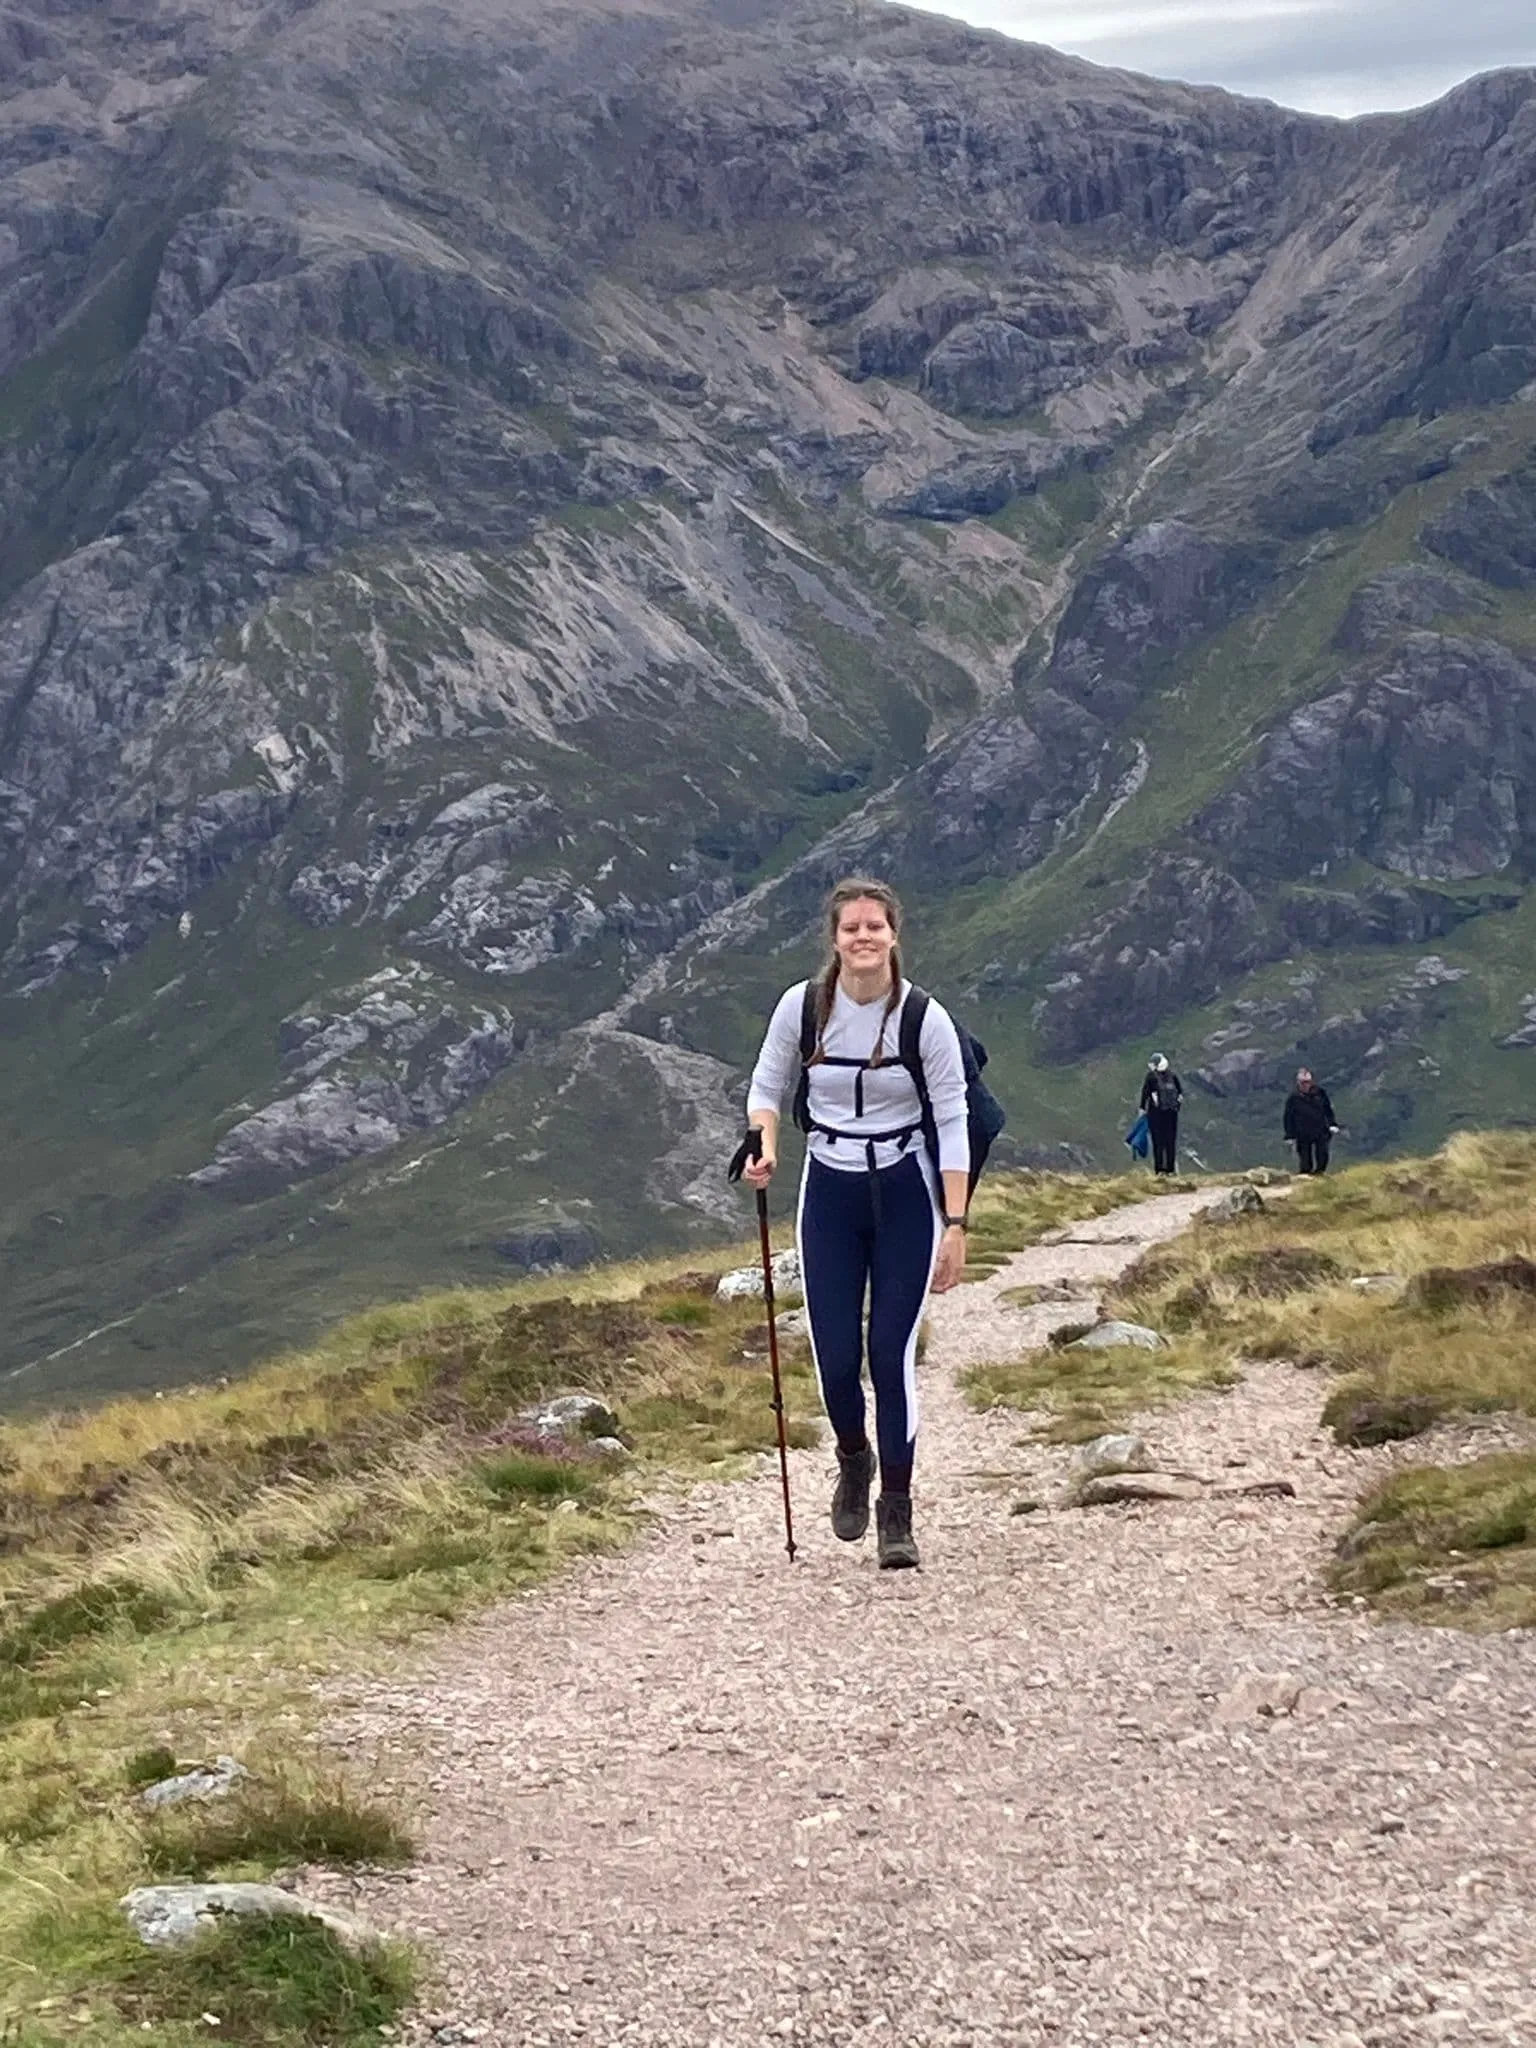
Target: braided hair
[{"x": 857, "y": 889}]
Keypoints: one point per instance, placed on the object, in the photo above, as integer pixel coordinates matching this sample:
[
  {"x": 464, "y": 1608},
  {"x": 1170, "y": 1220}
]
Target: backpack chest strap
[{"x": 861, "y": 1068}]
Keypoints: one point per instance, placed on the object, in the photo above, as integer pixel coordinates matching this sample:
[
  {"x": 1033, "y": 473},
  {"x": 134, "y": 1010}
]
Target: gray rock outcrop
[
  {"x": 391, "y": 1056},
  {"x": 207, "y": 1782},
  {"x": 175, "y": 1915}
]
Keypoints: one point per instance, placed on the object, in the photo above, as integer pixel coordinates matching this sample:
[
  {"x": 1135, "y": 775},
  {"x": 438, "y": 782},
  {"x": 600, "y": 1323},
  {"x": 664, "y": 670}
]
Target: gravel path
[{"x": 693, "y": 1796}]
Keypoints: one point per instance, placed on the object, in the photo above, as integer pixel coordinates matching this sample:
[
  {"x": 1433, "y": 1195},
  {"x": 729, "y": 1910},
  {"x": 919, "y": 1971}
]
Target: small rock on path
[{"x": 691, "y": 1797}]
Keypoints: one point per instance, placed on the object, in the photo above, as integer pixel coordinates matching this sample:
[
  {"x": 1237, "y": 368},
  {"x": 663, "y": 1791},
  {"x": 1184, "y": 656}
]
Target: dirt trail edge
[{"x": 694, "y": 1795}]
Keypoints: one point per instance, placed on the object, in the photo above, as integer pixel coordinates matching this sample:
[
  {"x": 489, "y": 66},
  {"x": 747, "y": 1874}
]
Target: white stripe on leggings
[
  {"x": 805, "y": 1292},
  {"x": 909, "y": 1357}
]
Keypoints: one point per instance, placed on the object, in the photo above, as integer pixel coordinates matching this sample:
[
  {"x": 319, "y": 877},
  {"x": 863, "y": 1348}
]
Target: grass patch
[
  {"x": 689, "y": 1314},
  {"x": 288, "y": 1981},
  {"x": 39, "y": 1695},
  {"x": 271, "y": 1822},
  {"x": 1456, "y": 1228},
  {"x": 1363, "y": 1419},
  {"x": 1083, "y": 1394},
  {"x": 150, "y": 1766},
  {"x": 1455, "y": 1338},
  {"x": 1449, "y": 1544},
  {"x": 92, "y": 1610},
  {"x": 517, "y": 1477}
]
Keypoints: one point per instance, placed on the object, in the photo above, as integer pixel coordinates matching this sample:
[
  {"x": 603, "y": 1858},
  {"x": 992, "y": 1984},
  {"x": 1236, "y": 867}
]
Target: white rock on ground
[
  {"x": 746, "y": 1282},
  {"x": 694, "y": 1795},
  {"x": 611, "y": 1447},
  {"x": 171, "y": 1915},
  {"x": 572, "y": 1416},
  {"x": 1111, "y": 1335},
  {"x": 207, "y": 1782},
  {"x": 1115, "y": 1453}
]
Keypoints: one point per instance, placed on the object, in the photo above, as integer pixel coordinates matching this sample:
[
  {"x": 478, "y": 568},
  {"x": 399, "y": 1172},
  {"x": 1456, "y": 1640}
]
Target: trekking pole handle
[{"x": 747, "y": 1152}]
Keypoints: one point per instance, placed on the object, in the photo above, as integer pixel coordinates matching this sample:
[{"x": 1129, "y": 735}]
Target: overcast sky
[{"x": 1332, "y": 56}]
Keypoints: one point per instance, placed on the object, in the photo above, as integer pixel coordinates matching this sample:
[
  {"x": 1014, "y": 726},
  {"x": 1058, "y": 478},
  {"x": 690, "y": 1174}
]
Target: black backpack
[
  {"x": 1166, "y": 1093},
  {"x": 984, "y": 1114}
]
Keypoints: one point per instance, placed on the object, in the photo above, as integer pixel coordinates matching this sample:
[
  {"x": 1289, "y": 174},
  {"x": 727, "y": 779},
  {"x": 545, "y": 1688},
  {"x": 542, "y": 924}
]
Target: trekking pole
[{"x": 752, "y": 1148}]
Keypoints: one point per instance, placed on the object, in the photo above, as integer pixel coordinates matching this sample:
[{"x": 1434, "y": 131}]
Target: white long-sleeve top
[{"x": 890, "y": 1094}]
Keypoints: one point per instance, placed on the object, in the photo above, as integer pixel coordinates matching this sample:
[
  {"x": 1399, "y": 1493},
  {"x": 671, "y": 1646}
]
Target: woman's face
[{"x": 864, "y": 937}]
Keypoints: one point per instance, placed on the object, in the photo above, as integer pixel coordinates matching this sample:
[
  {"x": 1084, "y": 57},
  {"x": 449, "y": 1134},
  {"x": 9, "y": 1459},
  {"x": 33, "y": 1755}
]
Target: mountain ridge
[{"x": 496, "y": 511}]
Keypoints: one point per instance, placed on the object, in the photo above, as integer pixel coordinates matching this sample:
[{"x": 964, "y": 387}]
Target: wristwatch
[{"x": 956, "y": 1223}]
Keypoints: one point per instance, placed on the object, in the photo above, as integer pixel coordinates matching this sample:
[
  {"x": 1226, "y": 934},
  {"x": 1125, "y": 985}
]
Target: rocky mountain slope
[{"x": 498, "y": 505}]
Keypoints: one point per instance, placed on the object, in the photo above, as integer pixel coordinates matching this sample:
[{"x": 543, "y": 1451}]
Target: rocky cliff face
[{"x": 498, "y": 505}]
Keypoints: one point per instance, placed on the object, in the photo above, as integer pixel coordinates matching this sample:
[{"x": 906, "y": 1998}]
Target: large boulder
[
  {"x": 991, "y": 369},
  {"x": 1490, "y": 530}
]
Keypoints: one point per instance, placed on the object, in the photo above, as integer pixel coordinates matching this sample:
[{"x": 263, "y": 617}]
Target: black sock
[
  {"x": 895, "y": 1478},
  {"x": 852, "y": 1447}
]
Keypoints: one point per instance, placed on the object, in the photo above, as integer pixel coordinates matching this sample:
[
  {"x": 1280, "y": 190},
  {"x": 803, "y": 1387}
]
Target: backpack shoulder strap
[
  {"x": 808, "y": 1022},
  {"x": 914, "y": 1014},
  {"x": 800, "y": 1112}
]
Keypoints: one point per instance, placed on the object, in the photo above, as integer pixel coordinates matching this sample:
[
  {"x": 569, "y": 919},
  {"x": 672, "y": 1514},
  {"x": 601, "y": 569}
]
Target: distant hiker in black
[
  {"x": 1161, "y": 1093},
  {"x": 1309, "y": 1123}
]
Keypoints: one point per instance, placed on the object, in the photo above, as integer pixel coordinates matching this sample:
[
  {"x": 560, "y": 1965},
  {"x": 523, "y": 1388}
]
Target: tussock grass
[
  {"x": 283, "y": 1981},
  {"x": 1083, "y": 1394},
  {"x": 275, "y": 1818},
  {"x": 1451, "y": 1339},
  {"x": 288, "y": 1982},
  {"x": 1449, "y": 1544},
  {"x": 1450, "y": 1334},
  {"x": 516, "y": 1476}
]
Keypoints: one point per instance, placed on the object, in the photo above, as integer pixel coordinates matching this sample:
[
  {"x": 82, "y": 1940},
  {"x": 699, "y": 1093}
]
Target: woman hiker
[
  {"x": 1310, "y": 1124},
  {"x": 1161, "y": 1094},
  {"x": 871, "y": 1211}
]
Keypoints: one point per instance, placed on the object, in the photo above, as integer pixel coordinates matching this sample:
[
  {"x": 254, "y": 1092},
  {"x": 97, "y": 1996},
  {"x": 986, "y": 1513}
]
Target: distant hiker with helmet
[
  {"x": 888, "y": 1107},
  {"x": 1310, "y": 1124},
  {"x": 1162, "y": 1092}
]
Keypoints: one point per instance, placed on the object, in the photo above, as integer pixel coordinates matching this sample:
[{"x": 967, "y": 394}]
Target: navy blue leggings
[{"x": 843, "y": 1250}]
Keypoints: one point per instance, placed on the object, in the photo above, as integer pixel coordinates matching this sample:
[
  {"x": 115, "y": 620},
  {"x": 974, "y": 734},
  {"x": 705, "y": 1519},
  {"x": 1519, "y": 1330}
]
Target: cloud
[{"x": 1333, "y": 56}]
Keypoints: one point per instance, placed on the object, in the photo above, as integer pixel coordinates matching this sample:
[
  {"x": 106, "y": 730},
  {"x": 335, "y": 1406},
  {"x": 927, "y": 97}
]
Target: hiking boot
[
  {"x": 893, "y": 1529},
  {"x": 850, "y": 1500}
]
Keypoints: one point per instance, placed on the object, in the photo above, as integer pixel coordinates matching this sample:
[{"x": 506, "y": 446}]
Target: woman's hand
[
  {"x": 758, "y": 1172},
  {"x": 951, "y": 1260}
]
